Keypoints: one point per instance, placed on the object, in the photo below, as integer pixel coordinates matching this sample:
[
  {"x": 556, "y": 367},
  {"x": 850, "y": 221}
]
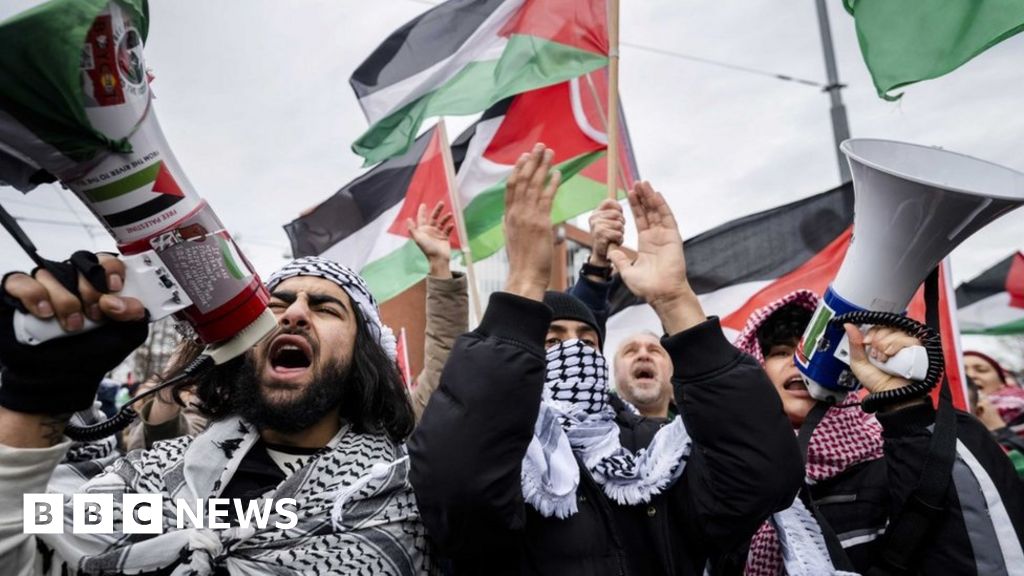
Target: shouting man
[{"x": 312, "y": 417}]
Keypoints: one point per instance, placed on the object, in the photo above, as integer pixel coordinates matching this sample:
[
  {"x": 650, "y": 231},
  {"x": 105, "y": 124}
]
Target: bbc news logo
[{"x": 143, "y": 513}]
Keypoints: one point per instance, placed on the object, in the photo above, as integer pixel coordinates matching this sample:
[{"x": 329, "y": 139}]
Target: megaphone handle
[
  {"x": 146, "y": 279},
  {"x": 910, "y": 363},
  {"x": 33, "y": 331}
]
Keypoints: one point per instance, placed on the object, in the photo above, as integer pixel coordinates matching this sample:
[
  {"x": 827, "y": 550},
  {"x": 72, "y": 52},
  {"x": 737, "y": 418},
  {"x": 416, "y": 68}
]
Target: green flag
[{"x": 906, "y": 41}]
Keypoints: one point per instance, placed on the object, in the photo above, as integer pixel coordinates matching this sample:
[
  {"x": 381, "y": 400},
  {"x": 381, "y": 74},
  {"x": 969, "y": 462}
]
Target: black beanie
[{"x": 568, "y": 307}]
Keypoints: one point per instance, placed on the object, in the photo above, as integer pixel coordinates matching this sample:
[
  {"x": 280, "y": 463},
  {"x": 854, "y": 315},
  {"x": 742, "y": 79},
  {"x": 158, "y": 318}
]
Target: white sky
[{"x": 253, "y": 96}]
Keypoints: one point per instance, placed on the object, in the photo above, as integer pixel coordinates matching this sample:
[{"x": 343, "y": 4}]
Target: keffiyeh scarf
[
  {"x": 353, "y": 285},
  {"x": 576, "y": 425},
  {"x": 356, "y": 511},
  {"x": 792, "y": 539},
  {"x": 791, "y": 542}
]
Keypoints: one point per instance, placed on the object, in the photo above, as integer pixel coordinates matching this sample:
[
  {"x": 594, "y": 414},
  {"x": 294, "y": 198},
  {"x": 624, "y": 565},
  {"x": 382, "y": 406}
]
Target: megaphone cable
[
  {"x": 127, "y": 414},
  {"x": 929, "y": 339}
]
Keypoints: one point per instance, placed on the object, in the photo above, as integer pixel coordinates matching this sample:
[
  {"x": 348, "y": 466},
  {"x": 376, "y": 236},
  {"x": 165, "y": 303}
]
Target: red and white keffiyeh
[{"x": 845, "y": 437}]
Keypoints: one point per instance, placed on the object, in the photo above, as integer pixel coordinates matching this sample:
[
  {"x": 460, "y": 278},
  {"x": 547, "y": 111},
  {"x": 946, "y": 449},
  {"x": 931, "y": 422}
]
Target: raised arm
[
  {"x": 467, "y": 451},
  {"x": 745, "y": 463},
  {"x": 42, "y": 386},
  {"x": 447, "y": 302},
  {"x": 607, "y": 227}
]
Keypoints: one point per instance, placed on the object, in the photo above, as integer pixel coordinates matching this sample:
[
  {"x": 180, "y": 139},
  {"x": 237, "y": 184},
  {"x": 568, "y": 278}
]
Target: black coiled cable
[
  {"x": 126, "y": 414},
  {"x": 929, "y": 339}
]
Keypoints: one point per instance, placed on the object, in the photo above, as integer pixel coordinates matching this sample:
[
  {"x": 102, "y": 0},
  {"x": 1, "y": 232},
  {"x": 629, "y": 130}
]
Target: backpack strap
[{"x": 928, "y": 501}]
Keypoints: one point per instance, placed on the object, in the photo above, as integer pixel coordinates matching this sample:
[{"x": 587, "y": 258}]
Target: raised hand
[
  {"x": 658, "y": 275},
  {"x": 529, "y": 192},
  {"x": 432, "y": 234}
]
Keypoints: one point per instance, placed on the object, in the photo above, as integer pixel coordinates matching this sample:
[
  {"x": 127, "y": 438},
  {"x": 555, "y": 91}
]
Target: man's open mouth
[
  {"x": 290, "y": 354},
  {"x": 643, "y": 373}
]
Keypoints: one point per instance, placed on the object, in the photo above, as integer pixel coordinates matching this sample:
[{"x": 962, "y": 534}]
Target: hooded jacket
[{"x": 859, "y": 496}]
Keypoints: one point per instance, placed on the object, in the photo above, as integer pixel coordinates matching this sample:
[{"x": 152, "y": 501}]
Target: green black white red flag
[
  {"x": 569, "y": 118},
  {"x": 363, "y": 224},
  {"x": 463, "y": 56},
  {"x": 993, "y": 302}
]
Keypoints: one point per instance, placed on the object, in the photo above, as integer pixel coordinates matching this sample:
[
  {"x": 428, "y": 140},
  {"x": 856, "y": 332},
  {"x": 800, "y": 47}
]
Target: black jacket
[
  {"x": 467, "y": 452},
  {"x": 858, "y": 504}
]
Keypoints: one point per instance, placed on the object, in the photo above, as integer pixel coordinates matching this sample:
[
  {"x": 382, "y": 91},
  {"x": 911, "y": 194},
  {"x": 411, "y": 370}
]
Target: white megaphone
[
  {"x": 99, "y": 135},
  {"x": 913, "y": 205}
]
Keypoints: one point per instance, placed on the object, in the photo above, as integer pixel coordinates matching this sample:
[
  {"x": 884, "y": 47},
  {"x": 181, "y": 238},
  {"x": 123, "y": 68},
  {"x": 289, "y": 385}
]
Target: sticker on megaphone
[{"x": 823, "y": 355}]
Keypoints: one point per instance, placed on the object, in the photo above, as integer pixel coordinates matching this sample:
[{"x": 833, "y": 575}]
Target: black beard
[{"x": 323, "y": 395}]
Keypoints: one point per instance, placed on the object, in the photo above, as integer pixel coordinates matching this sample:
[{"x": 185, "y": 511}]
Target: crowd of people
[{"x": 512, "y": 453}]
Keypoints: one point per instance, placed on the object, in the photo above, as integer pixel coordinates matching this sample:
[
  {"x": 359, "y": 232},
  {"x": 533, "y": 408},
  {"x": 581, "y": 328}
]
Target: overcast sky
[{"x": 253, "y": 96}]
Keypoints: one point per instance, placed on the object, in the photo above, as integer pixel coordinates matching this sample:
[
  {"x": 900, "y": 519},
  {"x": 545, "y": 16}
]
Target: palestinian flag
[
  {"x": 750, "y": 262},
  {"x": 906, "y": 41},
  {"x": 568, "y": 118},
  {"x": 463, "y": 56},
  {"x": 133, "y": 198},
  {"x": 363, "y": 224},
  {"x": 993, "y": 302}
]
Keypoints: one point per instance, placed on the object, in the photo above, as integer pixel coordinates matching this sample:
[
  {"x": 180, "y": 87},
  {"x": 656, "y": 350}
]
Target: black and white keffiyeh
[
  {"x": 353, "y": 285},
  {"x": 356, "y": 512},
  {"x": 576, "y": 425}
]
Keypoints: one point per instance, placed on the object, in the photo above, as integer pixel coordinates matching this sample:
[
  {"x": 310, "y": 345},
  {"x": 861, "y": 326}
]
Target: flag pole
[
  {"x": 460, "y": 224},
  {"x": 613, "y": 99}
]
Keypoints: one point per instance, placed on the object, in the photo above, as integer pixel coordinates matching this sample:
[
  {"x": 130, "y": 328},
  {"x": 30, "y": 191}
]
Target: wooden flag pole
[
  {"x": 613, "y": 99},
  {"x": 460, "y": 224}
]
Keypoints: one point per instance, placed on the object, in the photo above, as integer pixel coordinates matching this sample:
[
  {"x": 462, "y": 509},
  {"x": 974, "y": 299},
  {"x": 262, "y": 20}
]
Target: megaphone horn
[
  {"x": 912, "y": 206},
  {"x": 180, "y": 259}
]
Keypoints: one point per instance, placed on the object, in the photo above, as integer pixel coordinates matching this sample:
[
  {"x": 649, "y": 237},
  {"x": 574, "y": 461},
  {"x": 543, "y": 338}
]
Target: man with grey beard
[{"x": 643, "y": 374}]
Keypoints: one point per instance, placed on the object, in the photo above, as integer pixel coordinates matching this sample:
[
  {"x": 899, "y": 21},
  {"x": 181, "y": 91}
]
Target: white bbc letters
[
  {"x": 43, "y": 513},
  {"x": 143, "y": 514},
  {"x": 92, "y": 513}
]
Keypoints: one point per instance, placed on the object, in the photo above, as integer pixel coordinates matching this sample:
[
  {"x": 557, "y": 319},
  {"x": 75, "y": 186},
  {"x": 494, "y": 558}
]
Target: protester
[
  {"x": 643, "y": 373},
  {"x": 477, "y": 440},
  {"x": 314, "y": 412},
  {"x": 1000, "y": 407},
  {"x": 988, "y": 375},
  {"x": 860, "y": 471}
]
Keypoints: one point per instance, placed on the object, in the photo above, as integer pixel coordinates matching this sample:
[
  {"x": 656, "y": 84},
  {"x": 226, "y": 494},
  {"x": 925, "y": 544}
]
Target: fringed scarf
[
  {"x": 845, "y": 437},
  {"x": 576, "y": 425},
  {"x": 356, "y": 511}
]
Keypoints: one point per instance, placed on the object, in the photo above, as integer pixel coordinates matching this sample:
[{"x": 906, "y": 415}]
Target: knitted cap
[
  {"x": 568, "y": 307},
  {"x": 353, "y": 285},
  {"x": 992, "y": 361}
]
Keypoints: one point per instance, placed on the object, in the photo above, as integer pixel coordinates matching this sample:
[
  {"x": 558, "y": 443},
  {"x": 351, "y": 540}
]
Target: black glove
[{"x": 61, "y": 376}]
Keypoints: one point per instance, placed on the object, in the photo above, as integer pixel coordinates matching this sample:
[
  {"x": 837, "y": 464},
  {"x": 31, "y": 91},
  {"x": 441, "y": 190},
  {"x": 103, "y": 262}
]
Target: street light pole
[{"x": 840, "y": 126}]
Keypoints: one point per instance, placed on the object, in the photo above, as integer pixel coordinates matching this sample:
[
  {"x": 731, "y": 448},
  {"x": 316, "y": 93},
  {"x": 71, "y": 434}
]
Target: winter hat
[
  {"x": 748, "y": 340},
  {"x": 568, "y": 307},
  {"x": 353, "y": 285},
  {"x": 995, "y": 365}
]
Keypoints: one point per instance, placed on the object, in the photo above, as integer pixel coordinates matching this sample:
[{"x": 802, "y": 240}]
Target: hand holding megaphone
[
  {"x": 869, "y": 352},
  {"x": 891, "y": 351},
  {"x": 145, "y": 279},
  {"x": 62, "y": 377}
]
